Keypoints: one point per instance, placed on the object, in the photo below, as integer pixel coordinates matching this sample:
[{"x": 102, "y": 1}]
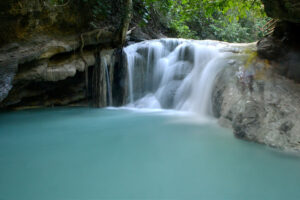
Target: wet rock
[
  {"x": 286, "y": 127},
  {"x": 46, "y": 93},
  {"x": 56, "y": 71},
  {"x": 103, "y": 78},
  {"x": 141, "y": 34},
  {"x": 218, "y": 101},
  {"x": 166, "y": 95},
  {"x": 7, "y": 73},
  {"x": 239, "y": 127},
  {"x": 120, "y": 77},
  {"x": 269, "y": 48},
  {"x": 138, "y": 35},
  {"x": 269, "y": 116},
  {"x": 182, "y": 70},
  {"x": 247, "y": 120}
]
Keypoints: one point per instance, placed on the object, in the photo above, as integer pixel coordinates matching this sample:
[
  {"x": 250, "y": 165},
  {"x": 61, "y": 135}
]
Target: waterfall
[
  {"x": 103, "y": 78},
  {"x": 175, "y": 73}
]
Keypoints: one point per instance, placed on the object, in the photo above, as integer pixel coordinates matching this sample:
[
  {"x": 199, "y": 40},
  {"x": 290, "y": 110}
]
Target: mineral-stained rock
[
  {"x": 7, "y": 74},
  {"x": 43, "y": 59},
  {"x": 286, "y": 127},
  {"x": 270, "y": 48},
  {"x": 247, "y": 121},
  {"x": 46, "y": 48},
  {"x": 270, "y": 114},
  {"x": 56, "y": 71}
]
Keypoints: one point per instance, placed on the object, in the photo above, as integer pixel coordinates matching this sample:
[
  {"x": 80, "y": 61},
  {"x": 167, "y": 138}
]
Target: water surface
[{"x": 89, "y": 154}]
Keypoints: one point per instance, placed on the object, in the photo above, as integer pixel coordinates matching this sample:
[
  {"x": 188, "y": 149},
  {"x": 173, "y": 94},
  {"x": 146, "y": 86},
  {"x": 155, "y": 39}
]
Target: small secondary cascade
[
  {"x": 176, "y": 73},
  {"x": 101, "y": 81}
]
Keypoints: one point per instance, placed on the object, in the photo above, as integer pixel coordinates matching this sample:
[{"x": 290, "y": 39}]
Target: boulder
[{"x": 268, "y": 113}]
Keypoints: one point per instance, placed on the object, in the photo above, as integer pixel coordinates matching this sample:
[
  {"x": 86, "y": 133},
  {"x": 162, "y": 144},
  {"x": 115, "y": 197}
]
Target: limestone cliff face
[
  {"x": 265, "y": 107},
  {"x": 47, "y": 50},
  {"x": 265, "y": 110},
  {"x": 22, "y": 20},
  {"x": 282, "y": 47}
]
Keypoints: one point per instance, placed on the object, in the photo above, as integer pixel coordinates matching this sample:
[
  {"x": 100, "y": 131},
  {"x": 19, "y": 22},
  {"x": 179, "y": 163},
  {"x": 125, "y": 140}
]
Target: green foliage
[
  {"x": 101, "y": 10},
  {"x": 227, "y": 20},
  {"x": 247, "y": 29},
  {"x": 99, "y": 7},
  {"x": 57, "y": 2},
  {"x": 146, "y": 9}
]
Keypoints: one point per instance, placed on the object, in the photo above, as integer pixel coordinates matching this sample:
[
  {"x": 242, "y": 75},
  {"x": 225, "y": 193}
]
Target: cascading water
[
  {"x": 102, "y": 79},
  {"x": 176, "y": 73}
]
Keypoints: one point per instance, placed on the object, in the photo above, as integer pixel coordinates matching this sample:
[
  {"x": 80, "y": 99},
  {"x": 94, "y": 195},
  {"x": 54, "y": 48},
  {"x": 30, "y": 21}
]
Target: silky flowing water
[
  {"x": 88, "y": 154},
  {"x": 178, "y": 74}
]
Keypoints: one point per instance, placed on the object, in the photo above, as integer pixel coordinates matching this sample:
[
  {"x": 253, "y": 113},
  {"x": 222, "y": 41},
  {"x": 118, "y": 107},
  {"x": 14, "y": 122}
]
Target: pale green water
[{"x": 89, "y": 154}]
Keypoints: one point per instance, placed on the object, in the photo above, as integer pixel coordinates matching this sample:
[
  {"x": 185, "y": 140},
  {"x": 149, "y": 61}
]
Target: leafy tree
[{"x": 227, "y": 20}]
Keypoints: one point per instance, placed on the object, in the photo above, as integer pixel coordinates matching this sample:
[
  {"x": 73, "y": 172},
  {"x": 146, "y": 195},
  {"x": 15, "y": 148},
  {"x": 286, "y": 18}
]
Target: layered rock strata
[{"x": 47, "y": 53}]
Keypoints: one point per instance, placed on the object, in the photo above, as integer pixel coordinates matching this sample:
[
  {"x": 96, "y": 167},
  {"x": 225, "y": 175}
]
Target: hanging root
[
  {"x": 98, "y": 33},
  {"x": 85, "y": 64}
]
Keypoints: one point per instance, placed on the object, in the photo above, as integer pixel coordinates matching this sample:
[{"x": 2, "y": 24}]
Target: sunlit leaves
[{"x": 229, "y": 20}]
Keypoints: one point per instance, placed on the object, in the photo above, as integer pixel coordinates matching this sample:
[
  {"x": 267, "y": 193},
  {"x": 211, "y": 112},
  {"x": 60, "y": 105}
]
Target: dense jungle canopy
[{"x": 226, "y": 20}]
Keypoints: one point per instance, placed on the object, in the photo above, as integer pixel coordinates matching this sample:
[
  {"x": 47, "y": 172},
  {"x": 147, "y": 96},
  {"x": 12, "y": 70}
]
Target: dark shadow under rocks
[{"x": 282, "y": 48}]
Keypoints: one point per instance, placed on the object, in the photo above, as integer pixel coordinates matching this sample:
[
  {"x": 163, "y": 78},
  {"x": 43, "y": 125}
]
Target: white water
[{"x": 176, "y": 73}]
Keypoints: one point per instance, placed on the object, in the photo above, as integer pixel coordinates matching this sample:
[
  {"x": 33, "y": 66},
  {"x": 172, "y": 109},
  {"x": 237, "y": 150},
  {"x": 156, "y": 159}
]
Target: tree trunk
[{"x": 126, "y": 21}]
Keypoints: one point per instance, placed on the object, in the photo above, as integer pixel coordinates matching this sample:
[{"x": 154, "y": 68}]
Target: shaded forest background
[{"x": 226, "y": 20}]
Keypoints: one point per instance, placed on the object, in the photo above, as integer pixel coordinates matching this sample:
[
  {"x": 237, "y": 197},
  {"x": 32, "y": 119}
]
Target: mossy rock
[{"x": 21, "y": 20}]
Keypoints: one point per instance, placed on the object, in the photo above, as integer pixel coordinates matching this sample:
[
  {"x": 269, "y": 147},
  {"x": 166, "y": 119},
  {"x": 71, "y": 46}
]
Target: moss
[{"x": 21, "y": 20}]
